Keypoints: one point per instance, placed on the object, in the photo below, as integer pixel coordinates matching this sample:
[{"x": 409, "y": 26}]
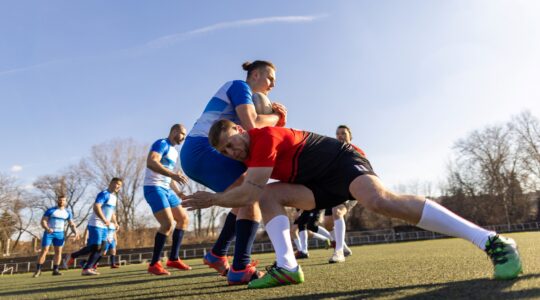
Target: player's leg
[
  {"x": 318, "y": 232},
  {"x": 96, "y": 235},
  {"x": 112, "y": 254},
  {"x": 303, "y": 235},
  {"x": 46, "y": 241},
  {"x": 275, "y": 197},
  {"x": 338, "y": 214},
  {"x": 429, "y": 215},
  {"x": 182, "y": 220},
  {"x": 57, "y": 258}
]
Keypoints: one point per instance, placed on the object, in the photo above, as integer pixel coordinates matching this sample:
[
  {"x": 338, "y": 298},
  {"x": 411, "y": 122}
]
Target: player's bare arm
[
  {"x": 247, "y": 193},
  {"x": 153, "y": 163},
  {"x": 249, "y": 118},
  {"x": 99, "y": 213},
  {"x": 45, "y": 224}
]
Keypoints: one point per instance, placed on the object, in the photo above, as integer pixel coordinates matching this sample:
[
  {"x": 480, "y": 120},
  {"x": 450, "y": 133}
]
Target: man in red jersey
[{"x": 321, "y": 172}]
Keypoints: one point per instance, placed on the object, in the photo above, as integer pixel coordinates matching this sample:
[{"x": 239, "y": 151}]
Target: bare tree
[
  {"x": 527, "y": 130},
  {"x": 124, "y": 158},
  {"x": 203, "y": 218}
]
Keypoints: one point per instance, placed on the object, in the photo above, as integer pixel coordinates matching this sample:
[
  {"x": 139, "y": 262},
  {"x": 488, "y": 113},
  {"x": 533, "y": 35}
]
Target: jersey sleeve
[
  {"x": 239, "y": 93},
  {"x": 359, "y": 150},
  {"x": 160, "y": 146},
  {"x": 49, "y": 212},
  {"x": 263, "y": 149},
  {"x": 102, "y": 197}
]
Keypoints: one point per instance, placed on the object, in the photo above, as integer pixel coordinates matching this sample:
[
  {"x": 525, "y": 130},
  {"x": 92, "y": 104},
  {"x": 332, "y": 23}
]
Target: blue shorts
[
  {"x": 56, "y": 238},
  {"x": 96, "y": 235},
  {"x": 204, "y": 164},
  {"x": 110, "y": 245},
  {"x": 159, "y": 198}
]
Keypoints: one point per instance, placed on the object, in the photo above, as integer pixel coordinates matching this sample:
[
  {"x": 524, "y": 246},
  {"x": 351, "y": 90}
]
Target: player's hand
[
  {"x": 199, "y": 200},
  {"x": 50, "y": 230},
  {"x": 107, "y": 223},
  {"x": 180, "y": 178},
  {"x": 282, "y": 111}
]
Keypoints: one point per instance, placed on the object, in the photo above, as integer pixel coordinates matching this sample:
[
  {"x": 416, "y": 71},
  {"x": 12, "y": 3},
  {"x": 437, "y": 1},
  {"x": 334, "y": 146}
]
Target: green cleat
[
  {"x": 505, "y": 257},
  {"x": 276, "y": 276}
]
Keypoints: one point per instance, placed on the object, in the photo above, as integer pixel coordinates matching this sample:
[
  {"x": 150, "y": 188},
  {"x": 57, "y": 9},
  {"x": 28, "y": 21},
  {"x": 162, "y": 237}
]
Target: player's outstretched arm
[{"x": 247, "y": 193}]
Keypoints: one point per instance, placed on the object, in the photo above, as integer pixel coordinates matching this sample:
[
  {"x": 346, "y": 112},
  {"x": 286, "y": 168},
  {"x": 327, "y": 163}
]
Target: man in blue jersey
[
  {"x": 162, "y": 194},
  {"x": 104, "y": 213},
  {"x": 53, "y": 221},
  {"x": 202, "y": 163}
]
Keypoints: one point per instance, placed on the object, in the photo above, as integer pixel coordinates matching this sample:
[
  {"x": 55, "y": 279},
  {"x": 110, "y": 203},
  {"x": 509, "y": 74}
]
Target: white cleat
[
  {"x": 337, "y": 257},
  {"x": 346, "y": 250},
  {"x": 89, "y": 272}
]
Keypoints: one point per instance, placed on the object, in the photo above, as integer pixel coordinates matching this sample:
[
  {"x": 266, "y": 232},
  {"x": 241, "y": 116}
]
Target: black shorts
[
  {"x": 328, "y": 212},
  {"x": 332, "y": 188},
  {"x": 306, "y": 216}
]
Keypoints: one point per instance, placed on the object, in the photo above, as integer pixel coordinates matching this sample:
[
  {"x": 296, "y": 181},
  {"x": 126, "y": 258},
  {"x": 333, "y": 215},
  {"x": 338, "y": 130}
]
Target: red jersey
[{"x": 297, "y": 156}]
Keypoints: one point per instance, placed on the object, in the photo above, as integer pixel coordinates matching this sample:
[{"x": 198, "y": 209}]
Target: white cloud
[
  {"x": 173, "y": 38},
  {"x": 16, "y": 168}
]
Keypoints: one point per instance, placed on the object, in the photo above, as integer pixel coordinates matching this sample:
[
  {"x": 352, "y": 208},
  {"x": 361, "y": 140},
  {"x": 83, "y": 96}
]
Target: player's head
[
  {"x": 228, "y": 139},
  {"x": 61, "y": 200},
  {"x": 115, "y": 185},
  {"x": 177, "y": 134},
  {"x": 261, "y": 75},
  {"x": 343, "y": 134}
]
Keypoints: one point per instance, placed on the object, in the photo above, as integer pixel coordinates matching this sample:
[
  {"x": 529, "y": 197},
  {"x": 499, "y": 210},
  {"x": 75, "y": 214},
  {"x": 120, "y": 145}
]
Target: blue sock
[
  {"x": 55, "y": 267},
  {"x": 245, "y": 236},
  {"x": 226, "y": 236},
  {"x": 178, "y": 234},
  {"x": 38, "y": 266},
  {"x": 159, "y": 243}
]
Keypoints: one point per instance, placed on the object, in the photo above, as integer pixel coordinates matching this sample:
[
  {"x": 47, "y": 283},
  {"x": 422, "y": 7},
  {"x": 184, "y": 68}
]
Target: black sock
[
  {"x": 113, "y": 260},
  {"x": 38, "y": 266},
  {"x": 245, "y": 236},
  {"x": 178, "y": 235},
  {"x": 226, "y": 236},
  {"x": 159, "y": 243},
  {"x": 55, "y": 267}
]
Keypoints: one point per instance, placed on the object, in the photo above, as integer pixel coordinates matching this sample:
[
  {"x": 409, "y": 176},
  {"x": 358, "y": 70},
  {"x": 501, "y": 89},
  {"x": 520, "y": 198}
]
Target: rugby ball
[{"x": 263, "y": 106}]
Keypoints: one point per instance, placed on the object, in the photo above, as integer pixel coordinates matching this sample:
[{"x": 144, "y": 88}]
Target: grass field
[{"x": 439, "y": 269}]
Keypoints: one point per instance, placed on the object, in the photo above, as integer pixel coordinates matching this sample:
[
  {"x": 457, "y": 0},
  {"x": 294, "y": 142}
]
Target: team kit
[{"x": 238, "y": 144}]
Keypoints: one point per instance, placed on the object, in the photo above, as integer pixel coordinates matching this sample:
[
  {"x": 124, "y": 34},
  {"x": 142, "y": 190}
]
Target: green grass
[{"x": 439, "y": 269}]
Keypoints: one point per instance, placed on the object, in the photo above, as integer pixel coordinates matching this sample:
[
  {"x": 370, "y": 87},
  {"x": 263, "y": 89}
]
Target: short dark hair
[
  {"x": 346, "y": 128},
  {"x": 60, "y": 196},
  {"x": 176, "y": 127},
  {"x": 117, "y": 179},
  {"x": 217, "y": 129},
  {"x": 251, "y": 66}
]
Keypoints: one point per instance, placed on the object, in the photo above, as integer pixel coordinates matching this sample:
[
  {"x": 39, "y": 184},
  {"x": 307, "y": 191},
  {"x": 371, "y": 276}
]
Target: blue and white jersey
[
  {"x": 108, "y": 207},
  {"x": 57, "y": 218},
  {"x": 169, "y": 157},
  {"x": 223, "y": 106},
  {"x": 110, "y": 232}
]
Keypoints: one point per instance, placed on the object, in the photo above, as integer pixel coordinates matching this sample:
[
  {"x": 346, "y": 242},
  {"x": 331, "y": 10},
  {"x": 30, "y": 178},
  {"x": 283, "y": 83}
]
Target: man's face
[
  {"x": 343, "y": 135},
  {"x": 264, "y": 79},
  {"x": 61, "y": 202},
  {"x": 233, "y": 145},
  {"x": 115, "y": 186},
  {"x": 179, "y": 135}
]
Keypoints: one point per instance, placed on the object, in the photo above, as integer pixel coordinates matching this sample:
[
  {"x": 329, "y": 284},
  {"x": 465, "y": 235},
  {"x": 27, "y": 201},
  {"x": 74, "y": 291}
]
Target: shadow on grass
[
  {"x": 467, "y": 289},
  {"x": 96, "y": 282}
]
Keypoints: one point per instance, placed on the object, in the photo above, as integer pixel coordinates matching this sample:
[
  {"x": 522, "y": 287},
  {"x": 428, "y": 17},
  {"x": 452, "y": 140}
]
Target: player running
[
  {"x": 320, "y": 172},
  {"x": 162, "y": 194},
  {"x": 53, "y": 221},
  {"x": 109, "y": 246},
  {"x": 202, "y": 163}
]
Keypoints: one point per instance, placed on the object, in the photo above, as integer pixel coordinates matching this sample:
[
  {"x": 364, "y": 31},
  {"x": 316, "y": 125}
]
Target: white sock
[
  {"x": 320, "y": 237},
  {"x": 322, "y": 231},
  {"x": 280, "y": 234},
  {"x": 437, "y": 218},
  {"x": 303, "y": 237},
  {"x": 297, "y": 244},
  {"x": 339, "y": 232}
]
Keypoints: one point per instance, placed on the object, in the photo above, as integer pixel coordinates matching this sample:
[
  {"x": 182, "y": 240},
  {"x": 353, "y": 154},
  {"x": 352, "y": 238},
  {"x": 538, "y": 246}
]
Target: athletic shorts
[
  {"x": 204, "y": 164},
  {"x": 110, "y": 245},
  {"x": 332, "y": 188},
  {"x": 56, "y": 239},
  {"x": 307, "y": 216},
  {"x": 96, "y": 235},
  {"x": 159, "y": 198}
]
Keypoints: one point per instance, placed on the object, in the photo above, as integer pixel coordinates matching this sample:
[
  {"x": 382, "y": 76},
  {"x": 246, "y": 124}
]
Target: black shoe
[
  {"x": 301, "y": 255},
  {"x": 56, "y": 273}
]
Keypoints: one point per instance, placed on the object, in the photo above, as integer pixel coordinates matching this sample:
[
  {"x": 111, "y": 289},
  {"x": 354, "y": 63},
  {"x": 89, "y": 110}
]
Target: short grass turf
[{"x": 438, "y": 269}]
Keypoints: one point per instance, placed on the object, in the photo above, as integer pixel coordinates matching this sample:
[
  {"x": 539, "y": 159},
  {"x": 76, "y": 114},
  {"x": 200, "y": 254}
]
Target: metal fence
[{"x": 353, "y": 239}]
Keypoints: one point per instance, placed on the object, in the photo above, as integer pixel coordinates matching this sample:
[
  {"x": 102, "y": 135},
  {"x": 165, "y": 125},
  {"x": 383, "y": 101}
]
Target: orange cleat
[
  {"x": 218, "y": 263},
  {"x": 244, "y": 276},
  {"x": 178, "y": 264},
  {"x": 157, "y": 269}
]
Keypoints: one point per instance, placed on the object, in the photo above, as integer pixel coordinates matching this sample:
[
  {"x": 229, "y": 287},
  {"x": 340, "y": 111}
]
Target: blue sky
[{"x": 409, "y": 77}]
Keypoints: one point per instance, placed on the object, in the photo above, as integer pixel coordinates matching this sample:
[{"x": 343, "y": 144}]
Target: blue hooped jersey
[
  {"x": 223, "y": 106},
  {"x": 169, "y": 156},
  {"x": 108, "y": 207},
  {"x": 57, "y": 218}
]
